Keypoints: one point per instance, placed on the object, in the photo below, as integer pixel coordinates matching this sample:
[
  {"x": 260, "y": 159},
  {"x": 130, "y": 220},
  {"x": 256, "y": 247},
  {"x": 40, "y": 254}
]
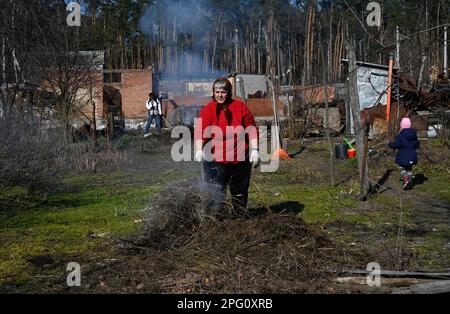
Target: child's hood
[{"x": 409, "y": 134}]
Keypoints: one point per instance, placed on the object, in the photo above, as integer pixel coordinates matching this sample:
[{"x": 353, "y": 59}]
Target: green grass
[
  {"x": 114, "y": 203},
  {"x": 108, "y": 203},
  {"x": 437, "y": 180},
  {"x": 319, "y": 202},
  {"x": 432, "y": 252}
]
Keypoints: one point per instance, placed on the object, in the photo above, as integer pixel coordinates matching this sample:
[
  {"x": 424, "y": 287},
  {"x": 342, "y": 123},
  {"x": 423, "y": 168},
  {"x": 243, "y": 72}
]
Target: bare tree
[
  {"x": 52, "y": 56},
  {"x": 29, "y": 155},
  {"x": 327, "y": 111},
  {"x": 45, "y": 78}
]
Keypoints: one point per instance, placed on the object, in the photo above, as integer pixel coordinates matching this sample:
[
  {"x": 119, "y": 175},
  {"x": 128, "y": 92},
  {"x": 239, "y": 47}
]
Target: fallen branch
[{"x": 256, "y": 242}]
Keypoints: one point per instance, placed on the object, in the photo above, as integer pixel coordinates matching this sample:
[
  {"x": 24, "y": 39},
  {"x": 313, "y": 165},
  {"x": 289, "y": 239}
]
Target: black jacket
[{"x": 406, "y": 142}]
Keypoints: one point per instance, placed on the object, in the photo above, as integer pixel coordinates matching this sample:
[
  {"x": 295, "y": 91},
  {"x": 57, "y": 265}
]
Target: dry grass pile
[
  {"x": 272, "y": 253},
  {"x": 177, "y": 210},
  {"x": 197, "y": 252}
]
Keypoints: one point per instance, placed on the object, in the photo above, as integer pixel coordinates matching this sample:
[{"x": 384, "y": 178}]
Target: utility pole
[
  {"x": 389, "y": 90},
  {"x": 236, "y": 50}
]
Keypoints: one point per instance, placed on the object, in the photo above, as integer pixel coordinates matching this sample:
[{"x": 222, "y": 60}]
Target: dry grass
[
  {"x": 203, "y": 249},
  {"x": 85, "y": 157},
  {"x": 177, "y": 210}
]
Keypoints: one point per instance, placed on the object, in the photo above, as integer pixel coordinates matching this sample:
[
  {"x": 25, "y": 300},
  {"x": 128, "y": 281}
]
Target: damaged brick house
[
  {"x": 112, "y": 99},
  {"x": 123, "y": 93},
  {"x": 185, "y": 95}
]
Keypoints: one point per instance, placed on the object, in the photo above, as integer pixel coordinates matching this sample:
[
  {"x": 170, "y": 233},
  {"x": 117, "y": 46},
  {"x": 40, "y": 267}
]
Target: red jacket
[{"x": 235, "y": 127}]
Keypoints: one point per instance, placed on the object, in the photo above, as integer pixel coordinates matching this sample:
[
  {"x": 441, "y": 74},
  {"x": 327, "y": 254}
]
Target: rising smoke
[
  {"x": 186, "y": 15},
  {"x": 183, "y": 22}
]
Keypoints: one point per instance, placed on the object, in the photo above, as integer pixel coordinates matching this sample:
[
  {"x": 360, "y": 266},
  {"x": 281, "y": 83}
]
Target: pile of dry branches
[
  {"x": 197, "y": 248},
  {"x": 264, "y": 254},
  {"x": 178, "y": 209}
]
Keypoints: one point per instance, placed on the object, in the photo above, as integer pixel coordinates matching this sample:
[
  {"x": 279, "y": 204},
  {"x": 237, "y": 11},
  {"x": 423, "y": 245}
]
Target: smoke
[
  {"x": 187, "y": 16},
  {"x": 190, "y": 15},
  {"x": 184, "y": 24}
]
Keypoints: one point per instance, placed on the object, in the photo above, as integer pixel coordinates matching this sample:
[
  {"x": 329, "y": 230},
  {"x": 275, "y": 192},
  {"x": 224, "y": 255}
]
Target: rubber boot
[
  {"x": 406, "y": 182},
  {"x": 239, "y": 205}
]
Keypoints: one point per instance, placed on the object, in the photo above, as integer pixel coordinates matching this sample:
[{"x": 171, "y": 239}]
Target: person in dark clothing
[
  {"x": 407, "y": 143},
  {"x": 229, "y": 128}
]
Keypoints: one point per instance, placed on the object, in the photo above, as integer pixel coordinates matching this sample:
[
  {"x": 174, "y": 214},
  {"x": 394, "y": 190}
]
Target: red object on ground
[
  {"x": 280, "y": 153},
  {"x": 351, "y": 153}
]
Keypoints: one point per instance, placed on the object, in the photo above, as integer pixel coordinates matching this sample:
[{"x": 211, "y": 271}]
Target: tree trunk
[
  {"x": 327, "y": 114},
  {"x": 309, "y": 42},
  {"x": 259, "y": 48},
  {"x": 422, "y": 66},
  {"x": 139, "y": 61},
  {"x": 357, "y": 119},
  {"x": 4, "y": 60},
  {"x": 330, "y": 45}
]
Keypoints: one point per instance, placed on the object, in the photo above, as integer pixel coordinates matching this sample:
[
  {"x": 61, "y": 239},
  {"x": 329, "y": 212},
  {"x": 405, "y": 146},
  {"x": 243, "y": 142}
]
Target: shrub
[{"x": 30, "y": 156}]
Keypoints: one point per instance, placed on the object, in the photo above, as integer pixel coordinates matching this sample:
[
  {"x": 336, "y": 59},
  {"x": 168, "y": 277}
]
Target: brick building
[{"x": 124, "y": 94}]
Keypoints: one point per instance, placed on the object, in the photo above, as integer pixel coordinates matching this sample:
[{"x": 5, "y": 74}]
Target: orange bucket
[{"x": 351, "y": 153}]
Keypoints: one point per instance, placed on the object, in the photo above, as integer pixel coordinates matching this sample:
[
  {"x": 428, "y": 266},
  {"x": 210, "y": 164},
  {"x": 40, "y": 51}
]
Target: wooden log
[
  {"x": 435, "y": 287},
  {"x": 405, "y": 274},
  {"x": 396, "y": 282}
]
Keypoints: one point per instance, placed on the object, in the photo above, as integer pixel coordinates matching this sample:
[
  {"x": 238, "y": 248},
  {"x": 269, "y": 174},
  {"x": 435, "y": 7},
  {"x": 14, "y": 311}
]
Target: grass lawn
[
  {"x": 74, "y": 217},
  {"x": 69, "y": 220}
]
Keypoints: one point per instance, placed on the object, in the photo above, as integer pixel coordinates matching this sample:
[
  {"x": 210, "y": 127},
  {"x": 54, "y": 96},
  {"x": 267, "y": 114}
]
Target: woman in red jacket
[{"x": 226, "y": 140}]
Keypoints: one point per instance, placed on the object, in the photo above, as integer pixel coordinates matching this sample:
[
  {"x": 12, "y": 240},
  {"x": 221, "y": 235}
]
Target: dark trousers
[
  {"x": 150, "y": 118},
  {"x": 236, "y": 176}
]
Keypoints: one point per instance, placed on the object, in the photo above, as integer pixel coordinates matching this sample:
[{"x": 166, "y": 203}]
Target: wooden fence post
[{"x": 357, "y": 119}]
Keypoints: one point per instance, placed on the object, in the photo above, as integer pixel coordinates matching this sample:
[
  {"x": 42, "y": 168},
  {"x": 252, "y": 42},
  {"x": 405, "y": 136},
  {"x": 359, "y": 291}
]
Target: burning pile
[
  {"x": 177, "y": 210},
  {"x": 198, "y": 248},
  {"x": 265, "y": 254}
]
